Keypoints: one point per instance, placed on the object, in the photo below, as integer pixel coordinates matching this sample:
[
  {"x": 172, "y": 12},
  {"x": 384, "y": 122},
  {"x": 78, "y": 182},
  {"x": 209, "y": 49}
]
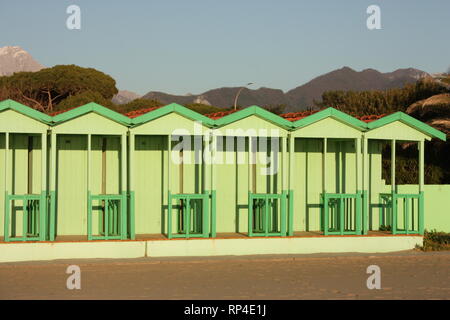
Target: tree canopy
[
  {"x": 45, "y": 89},
  {"x": 360, "y": 103}
]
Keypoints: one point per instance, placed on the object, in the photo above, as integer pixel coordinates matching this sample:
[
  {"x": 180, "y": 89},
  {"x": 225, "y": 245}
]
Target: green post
[
  {"x": 24, "y": 219},
  {"x": 406, "y": 213},
  {"x": 250, "y": 214},
  {"x": 341, "y": 215},
  {"x": 106, "y": 219},
  {"x": 421, "y": 213},
  {"x": 394, "y": 213},
  {"x": 283, "y": 213},
  {"x": 187, "y": 219},
  {"x": 291, "y": 213},
  {"x": 205, "y": 207},
  {"x": 421, "y": 226},
  {"x": 123, "y": 216},
  {"x": 325, "y": 214},
  {"x": 132, "y": 217},
  {"x": 266, "y": 216},
  {"x": 213, "y": 213},
  {"x": 169, "y": 216},
  {"x": 89, "y": 211},
  {"x": 359, "y": 200}
]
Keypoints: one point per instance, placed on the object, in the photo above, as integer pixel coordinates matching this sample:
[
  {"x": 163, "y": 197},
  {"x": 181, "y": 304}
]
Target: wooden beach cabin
[
  {"x": 88, "y": 187},
  {"x": 170, "y": 183},
  {"x": 251, "y": 173},
  {"x": 23, "y": 172},
  {"x": 326, "y": 173}
]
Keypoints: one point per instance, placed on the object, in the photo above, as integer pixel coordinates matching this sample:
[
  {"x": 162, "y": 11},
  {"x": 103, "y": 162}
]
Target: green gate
[
  {"x": 402, "y": 213},
  {"x": 267, "y": 214},
  {"x": 191, "y": 216},
  {"x": 111, "y": 214},
  {"x": 34, "y": 219},
  {"x": 342, "y": 213}
]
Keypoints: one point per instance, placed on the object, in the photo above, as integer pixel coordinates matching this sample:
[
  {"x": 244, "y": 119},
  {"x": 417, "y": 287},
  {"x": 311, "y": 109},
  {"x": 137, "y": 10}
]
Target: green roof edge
[
  {"x": 25, "y": 110},
  {"x": 91, "y": 107},
  {"x": 253, "y": 110},
  {"x": 241, "y": 114},
  {"x": 330, "y": 112},
  {"x": 407, "y": 119},
  {"x": 170, "y": 108}
]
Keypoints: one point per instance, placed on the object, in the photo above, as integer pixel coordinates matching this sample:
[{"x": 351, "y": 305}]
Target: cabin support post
[
  {"x": 123, "y": 186},
  {"x": 291, "y": 184},
  {"x": 324, "y": 187},
  {"x": 421, "y": 186},
  {"x": 53, "y": 153},
  {"x": 169, "y": 195},
  {"x": 43, "y": 200},
  {"x": 7, "y": 203},
  {"x": 393, "y": 189},
  {"x": 131, "y": 177},
  {"x": 365, "y": 202},
  {"x": 88, "y": 183}
]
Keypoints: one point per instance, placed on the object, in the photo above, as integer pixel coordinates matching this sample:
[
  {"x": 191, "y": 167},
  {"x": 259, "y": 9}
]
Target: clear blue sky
[{"x": 182, "y": 46}]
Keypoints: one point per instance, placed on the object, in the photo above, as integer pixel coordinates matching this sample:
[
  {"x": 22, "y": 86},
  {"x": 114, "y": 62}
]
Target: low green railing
[
  {"x": 191, "y": 216},
  {"x": 111, "y": 212},
  {"x": 267, "y": 214},
  {"x": 402, "y": 213},
  {"x": 342, "y": 214},
  {"x": 33, "y": 217}
]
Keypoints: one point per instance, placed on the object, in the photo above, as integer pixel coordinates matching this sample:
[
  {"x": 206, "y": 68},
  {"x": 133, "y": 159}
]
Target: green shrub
[{"x": 435, "y": 241}]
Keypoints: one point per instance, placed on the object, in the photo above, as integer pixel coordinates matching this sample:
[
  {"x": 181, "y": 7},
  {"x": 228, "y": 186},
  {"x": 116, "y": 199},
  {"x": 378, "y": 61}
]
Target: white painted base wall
[{"x": 15, "y": 252}]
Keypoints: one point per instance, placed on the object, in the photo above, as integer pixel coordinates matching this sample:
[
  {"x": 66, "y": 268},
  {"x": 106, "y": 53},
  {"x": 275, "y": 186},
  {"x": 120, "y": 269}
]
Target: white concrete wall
[{"x": 15, "y": 252}]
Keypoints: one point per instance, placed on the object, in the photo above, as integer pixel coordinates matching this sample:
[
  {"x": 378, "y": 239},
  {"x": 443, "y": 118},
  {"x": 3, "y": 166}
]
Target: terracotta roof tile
[
  {"x": 139, "y": 112},
  {"x": 220, "y": 114}
]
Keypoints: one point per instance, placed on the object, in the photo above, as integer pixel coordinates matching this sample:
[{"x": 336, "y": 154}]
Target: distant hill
[
  {"x": 124, "y": 96},
  {"x": 349, "y": 79},
  {"x": 303, "y": 96},
  {"x": 224, "y": 97},
  {"x": 15, "y": 59}
]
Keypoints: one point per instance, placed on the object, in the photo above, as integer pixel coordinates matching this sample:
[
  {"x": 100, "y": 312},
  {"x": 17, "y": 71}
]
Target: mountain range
[
  {"x": 15, "y": 59},
  {"x": 302, "y": 96}
]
